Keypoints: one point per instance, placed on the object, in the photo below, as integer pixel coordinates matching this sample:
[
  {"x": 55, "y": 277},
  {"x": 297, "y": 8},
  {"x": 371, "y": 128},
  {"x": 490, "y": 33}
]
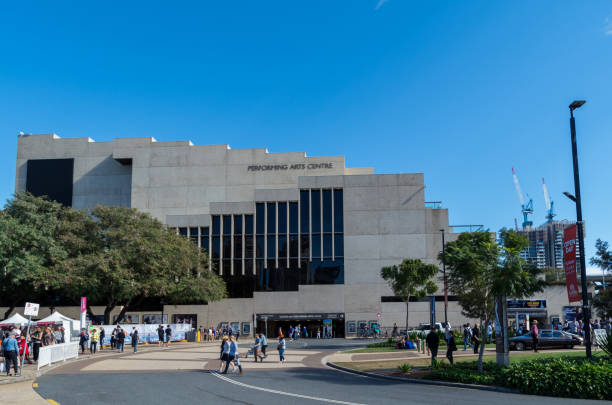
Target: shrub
[
  {"x": 437, "y": 364},
  {"x": 561, "y": 378},
  {"x": 405, "y": 368}
]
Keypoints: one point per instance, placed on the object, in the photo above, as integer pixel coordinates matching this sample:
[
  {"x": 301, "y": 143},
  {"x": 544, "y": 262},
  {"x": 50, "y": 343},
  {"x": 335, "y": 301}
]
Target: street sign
[
  {"x": 31, "y": 309},
  {"x": 378, "y": 315}
]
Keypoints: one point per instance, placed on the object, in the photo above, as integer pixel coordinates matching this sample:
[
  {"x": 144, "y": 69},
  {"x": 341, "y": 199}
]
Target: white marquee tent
[
  {"x": 58, "y": 319},
  {"x": 16, "y": 319}
]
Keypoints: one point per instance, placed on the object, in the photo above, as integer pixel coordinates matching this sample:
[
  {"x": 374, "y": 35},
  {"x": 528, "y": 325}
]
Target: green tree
[
  {"x": 28, "y": 247},
  {"x": 481, "y": 269},
  {"x": 603, "y": 259},
  {"x": 411, "y": 278},
  {"x": 119, "y": 256}
]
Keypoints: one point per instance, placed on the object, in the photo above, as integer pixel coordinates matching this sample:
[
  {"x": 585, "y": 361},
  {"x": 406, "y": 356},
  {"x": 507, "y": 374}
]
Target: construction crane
[
  {"x": 549, "y": 204},
  {"x": 527, "y": 209}
]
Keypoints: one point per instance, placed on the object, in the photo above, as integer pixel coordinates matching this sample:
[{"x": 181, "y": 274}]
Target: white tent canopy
[
  {"x": 16, "y": 319},
  {"x": 59, "y": 319}
]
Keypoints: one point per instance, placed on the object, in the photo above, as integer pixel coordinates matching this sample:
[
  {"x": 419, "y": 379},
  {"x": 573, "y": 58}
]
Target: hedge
[{"x": 571, "y": 378}]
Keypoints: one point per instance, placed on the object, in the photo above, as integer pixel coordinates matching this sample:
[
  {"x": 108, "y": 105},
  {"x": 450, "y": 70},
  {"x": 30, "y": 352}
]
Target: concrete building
[{"x": 297, "y": 239}]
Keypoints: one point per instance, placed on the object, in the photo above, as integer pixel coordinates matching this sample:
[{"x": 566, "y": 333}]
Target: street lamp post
[
  {"x": 444, "y": 276},
  {"x": 583, "y": 277}
]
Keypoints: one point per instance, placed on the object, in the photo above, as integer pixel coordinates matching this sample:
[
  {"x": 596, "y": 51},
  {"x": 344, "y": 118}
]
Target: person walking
[
  {"x": 394, "y": 331},
  {"x": 24, "y": 346},
  {"x": 10, "y": 350},
  {"x": 264, "y": 344},
  {"x": 113, "y": 339},
  {"x": 257, "y": 348},
  {"x": 120, "y": 339},
  {"x": 224, "y": 353},
  {"x": 282, "y": 345},
  {"x": 433, "y": 341},
  {"x": 447, "y": 331},
  {"x": 160, "y": 335},
  {"x": 93, "y": 345},
  {"x": 467, "y": 336},
  {"x": 83, "y": 339},
  {"x": 168, "y": 332},
  {"x": 535, "y": 335},
  {"x": 451, "y": 346},
  {"x": 102, "y": 335},
  {"x": 233, "y": 356},
  {"x": 476, "y": 338},
  {"x": 134, "y": 336}
]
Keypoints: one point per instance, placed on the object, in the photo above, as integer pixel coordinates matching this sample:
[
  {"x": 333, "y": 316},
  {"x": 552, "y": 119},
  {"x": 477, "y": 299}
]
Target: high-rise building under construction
[{"x": 546, "y": 244}]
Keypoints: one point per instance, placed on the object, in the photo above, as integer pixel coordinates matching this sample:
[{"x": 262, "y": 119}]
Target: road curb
[{"x": 424, "y": 382}]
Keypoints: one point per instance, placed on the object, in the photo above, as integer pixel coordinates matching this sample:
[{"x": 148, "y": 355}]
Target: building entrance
[{"x": 272, "y": 324}]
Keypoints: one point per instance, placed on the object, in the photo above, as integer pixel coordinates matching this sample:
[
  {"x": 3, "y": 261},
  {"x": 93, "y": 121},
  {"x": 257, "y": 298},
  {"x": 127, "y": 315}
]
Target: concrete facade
[{"x": 183, "y": 185}]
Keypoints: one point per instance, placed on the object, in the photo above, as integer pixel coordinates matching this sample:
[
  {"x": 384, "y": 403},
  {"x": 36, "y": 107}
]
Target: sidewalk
[{"x": 30, "y": 371}]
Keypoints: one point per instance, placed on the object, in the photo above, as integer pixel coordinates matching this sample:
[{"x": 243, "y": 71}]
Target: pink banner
[{"x": 569, "y": 263}]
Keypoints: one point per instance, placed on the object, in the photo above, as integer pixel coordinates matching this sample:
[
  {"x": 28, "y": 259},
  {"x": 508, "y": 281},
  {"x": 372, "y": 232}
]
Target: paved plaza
[{"x": 185, "y": 373}]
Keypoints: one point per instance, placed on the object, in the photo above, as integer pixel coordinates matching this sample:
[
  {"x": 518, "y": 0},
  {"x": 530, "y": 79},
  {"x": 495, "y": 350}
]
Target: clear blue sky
[{"x": 462, "y": 91}]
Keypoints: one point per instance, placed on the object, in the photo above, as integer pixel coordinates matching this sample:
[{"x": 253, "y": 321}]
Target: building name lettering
[{"x": 294, "y": 166}]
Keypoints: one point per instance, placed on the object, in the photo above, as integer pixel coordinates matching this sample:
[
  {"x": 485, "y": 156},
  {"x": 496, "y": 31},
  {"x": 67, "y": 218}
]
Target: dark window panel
[
  {"x": 216, "y": 247},
  {"x": 248, "y": 219},
  {"x": 227, "y": 247},
  {"x": 327, "y": 211},
  {"x": 51, "y": 178},
  {"x": 216, "y": 225},
  {"x": 260, "y": 274},
  {"x": 293, "y": 246},
  {"x": 227, "y": 224},
  {"x": 240, "y": 286},
  {"x": 227, "y": 267},
  {"x": 204, "y": 243},
  {"x": 193, "y": 231},
  {"x": 260, "y": 247},
  {"x": 237, "y": 224},
  {"x": 282, "y": 247},
  {"x": 316, "y": 211},
  {"x": 271, "y": 218},
  {"x": 305, "y": 242},
  {"x": 183, "y": 232},
  {"x": 261, "y": 218},
  {"x": 237, "y": 267},
  {"x": 248, "y": 247},
  {"x": 338, "y": 211},
  {"x": 339, "y": 245},
  {"x": 204, "y": 231},
  {"x": 271, "y": 247},
  {"x": 293, "y": 217},
  {"x": 237, "y": 247},
  {"x": 327, "y": 246},
  {"x": 271, "y": 263},
  {"x": 293, "y": 265},
  {"x": 248, "y": 266},
  {"x": 304, "y": 212},
  {"x": 282, "y": 217},
  {"x": 316, "y": 247}
]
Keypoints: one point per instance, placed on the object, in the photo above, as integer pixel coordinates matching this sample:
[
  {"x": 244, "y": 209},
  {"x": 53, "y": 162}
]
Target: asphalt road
[{"x": 306, "y": 385}]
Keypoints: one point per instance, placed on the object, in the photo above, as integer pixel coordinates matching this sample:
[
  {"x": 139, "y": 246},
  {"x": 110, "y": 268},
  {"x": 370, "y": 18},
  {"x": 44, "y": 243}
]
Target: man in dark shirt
[
  {"x": 160, "y": 335},
  {"x": 433, "y": 341},
  {"x": 168, "y": 335}
]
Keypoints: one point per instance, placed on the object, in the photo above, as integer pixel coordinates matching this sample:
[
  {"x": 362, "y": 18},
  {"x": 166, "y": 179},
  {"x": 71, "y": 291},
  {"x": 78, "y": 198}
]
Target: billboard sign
[{"x": 569, "y": 263}]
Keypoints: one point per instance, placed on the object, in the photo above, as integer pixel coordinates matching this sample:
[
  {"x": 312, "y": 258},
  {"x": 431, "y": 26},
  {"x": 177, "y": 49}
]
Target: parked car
[{"x": 548, "y": 339}]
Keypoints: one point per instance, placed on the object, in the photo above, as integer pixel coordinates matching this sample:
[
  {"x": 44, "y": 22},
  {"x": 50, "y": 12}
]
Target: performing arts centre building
[{"x": 297, "y": 239}]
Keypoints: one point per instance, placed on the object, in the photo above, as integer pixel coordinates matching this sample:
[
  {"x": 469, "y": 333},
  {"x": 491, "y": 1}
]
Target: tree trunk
[
  {"x": 107, "y": 312},
  {"x": 482, "y": 346},
  {"x": 407, "y": 313},
  {"x": 9, "y": 310}
]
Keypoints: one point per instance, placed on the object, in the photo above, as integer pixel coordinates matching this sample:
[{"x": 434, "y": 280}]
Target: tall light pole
[
  {"x": 444, "y": 275},
  {"x": 585, "y": 298}
]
